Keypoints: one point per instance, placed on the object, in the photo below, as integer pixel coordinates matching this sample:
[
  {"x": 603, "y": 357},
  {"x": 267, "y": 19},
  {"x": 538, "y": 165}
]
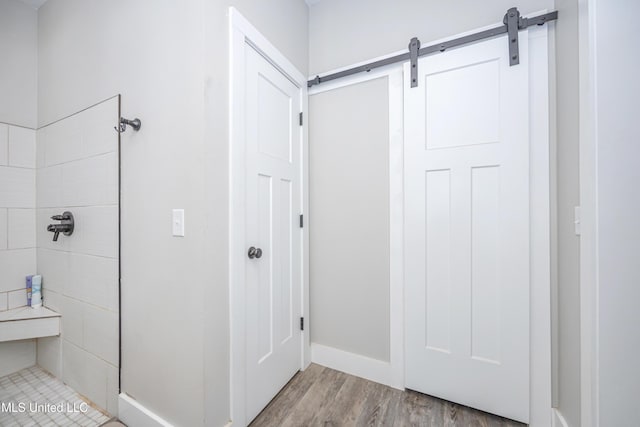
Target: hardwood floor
[{"x": 320, "y": 396}]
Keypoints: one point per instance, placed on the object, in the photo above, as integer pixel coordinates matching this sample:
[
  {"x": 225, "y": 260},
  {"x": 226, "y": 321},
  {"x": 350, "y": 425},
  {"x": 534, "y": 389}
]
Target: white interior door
[
  {"x": 273, "y": 205},
  {"x": 467, "y": 228}
]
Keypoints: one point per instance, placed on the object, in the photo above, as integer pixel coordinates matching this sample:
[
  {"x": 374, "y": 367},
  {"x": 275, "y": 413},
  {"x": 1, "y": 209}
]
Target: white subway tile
[
  {"x": 94, "y": 280},
  {"x": 54, "y": 268},
  {"x": 22, "y": 147},
  {"x": 41, "y": 138},
  {"x": 16, "y": 265},
  {"x": 4, "y": 236},
  {"x": 49, "y": 187},
  {"x": 72, "y": 321},
  {"x": 49, "y": 355},
  {"x": 85, "y": 373},
  {"x": 73, "y": 365},
  {"x": 16, "y": 355},
  {"x": 17, "y": 187},
  {"x": 17, "y": 298},
  {"x": 4, "y": 303},
  {"x": 4, "y": 144},
  {"x": 91, "y": 181},
  {"x": 52, "y": 299},
  {"x": 96, "y": 231},
  {"x": 97, "y": 128},
  {"x": 112, "y": 390},
  {"x": 64, "y": 141},
  {"x": 101, "y": 333},
  {"x": 21, "y": 228}
]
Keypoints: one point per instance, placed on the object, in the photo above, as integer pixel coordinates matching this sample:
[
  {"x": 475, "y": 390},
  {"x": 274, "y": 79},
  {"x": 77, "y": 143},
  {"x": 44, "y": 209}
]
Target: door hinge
[
  {"x": 301, "y": 121},
  {"x": 302, "y": 323},
  {"x": 301, "y": 221}
]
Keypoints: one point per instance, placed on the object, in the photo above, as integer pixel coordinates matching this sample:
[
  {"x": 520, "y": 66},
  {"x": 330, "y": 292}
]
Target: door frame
[
  {"x": 589, "y": 259},
  {"x": 243, "y": 35}
]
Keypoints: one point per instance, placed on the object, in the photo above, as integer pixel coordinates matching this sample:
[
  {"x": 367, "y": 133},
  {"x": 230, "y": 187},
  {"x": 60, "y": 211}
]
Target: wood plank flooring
[{"x": 321, "y": 396}]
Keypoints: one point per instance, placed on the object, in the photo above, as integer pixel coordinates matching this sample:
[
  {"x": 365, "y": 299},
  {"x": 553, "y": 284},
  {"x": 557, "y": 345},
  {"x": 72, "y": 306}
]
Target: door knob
[{"x": 254, "y": 252}]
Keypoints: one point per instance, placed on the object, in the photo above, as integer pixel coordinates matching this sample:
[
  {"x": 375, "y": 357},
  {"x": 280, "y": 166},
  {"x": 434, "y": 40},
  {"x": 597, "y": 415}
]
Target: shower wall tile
[
  {"x": 54, "y": 268},
  {"x": 21, "y": 228},
  {"x": 77, "y": 161},
  {"x": 52, "y": 299},
  {"x": 15, "y": 265},
  {"x": 16, "y": 355},
  {"x": 98, "y": 130},
  {"x": 49, "y": 355},
  {"x": 17, "y": 187},
  {"x": 17, "y": 298},
  {"x": 85, "y": 373},
  {"x": 22, "y": 147},
  {"x": 4, "y": 231},
  {"x": 17, "y": 214},
  {"x": 92, "y": 279},
  {"x": 100, "y": 332},
  {"x": 97, "y": 231},
  {"x": 49, "y": 187},
  {"x": 72, "y": 321},
  {"x": 112, "y": 389},
  {"x": 4, "y": 144},
  {"x": 91, "y": 181},
  {"x": 40, "y": 148},
  {"x": 63, "y": 141}
]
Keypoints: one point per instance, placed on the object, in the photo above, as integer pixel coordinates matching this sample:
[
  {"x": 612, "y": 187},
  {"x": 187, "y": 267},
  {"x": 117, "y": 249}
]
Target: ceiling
[
  {"x": 37, "y": 3},
  {"x": 34, "y": 3}
]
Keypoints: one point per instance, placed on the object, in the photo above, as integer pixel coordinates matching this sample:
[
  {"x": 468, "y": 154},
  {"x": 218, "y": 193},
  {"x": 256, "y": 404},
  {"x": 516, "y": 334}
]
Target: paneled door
[
  {"x": 273, "y": 233},
  {"x": 467, "y": 228}
]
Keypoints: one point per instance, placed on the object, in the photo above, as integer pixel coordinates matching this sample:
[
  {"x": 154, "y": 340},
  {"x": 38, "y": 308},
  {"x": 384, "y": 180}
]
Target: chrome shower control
[{"x": 65, "y": 227}]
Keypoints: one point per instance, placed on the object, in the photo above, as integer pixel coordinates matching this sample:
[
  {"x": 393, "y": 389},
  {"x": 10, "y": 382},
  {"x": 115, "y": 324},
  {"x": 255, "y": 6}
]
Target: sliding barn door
[{"x": 467, "y": 228}]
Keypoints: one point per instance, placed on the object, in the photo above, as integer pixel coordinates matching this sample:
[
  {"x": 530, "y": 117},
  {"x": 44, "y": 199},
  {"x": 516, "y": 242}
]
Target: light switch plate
[{"x": 178, "y": 222}]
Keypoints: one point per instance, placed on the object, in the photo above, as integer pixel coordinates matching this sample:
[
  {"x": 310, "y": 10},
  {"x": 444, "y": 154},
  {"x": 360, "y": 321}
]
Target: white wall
[
  {"x": 18, "y": 73},
  {"x": 18, "y": 25},
  {"x": 78, "y": 172},
  {"x": 169, "y": 61},
  {"x": 568, "y": 196},
  {"x": 610, "y": 185},
  {"x": 349, "y": 218}
]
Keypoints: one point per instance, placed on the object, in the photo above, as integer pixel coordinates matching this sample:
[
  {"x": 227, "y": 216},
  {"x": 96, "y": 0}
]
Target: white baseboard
[
  {"x": 134, "y": 414},
  {"x": 557, "y": 419},
  {"x": 354, "y": 364}
]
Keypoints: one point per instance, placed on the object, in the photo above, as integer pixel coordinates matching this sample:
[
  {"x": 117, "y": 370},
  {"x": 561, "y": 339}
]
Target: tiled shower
[{"x": 69, "y": 165}]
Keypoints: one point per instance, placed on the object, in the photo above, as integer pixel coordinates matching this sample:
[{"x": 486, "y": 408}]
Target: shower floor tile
[{"x": 32, "y": 397}]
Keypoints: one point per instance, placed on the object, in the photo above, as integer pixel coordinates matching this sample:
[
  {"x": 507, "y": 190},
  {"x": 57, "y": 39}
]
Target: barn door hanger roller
[{"x": 512, "y": 23}]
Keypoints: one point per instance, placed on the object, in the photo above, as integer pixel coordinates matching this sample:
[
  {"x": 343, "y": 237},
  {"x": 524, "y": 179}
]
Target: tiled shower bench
[{"x": 24, "y": 323}]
